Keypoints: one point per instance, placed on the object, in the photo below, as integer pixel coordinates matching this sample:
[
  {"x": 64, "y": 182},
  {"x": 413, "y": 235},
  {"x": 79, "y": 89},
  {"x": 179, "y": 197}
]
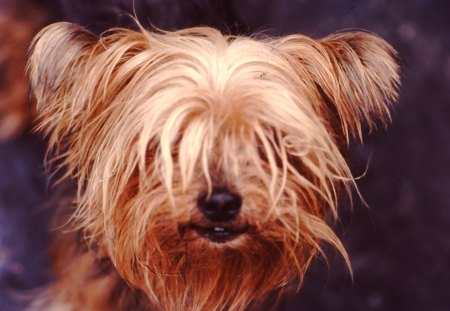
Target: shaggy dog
[{"x": 208, "y": 167}]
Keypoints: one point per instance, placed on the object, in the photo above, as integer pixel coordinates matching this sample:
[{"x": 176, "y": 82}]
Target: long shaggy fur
[{"x": 146, "y": 121}]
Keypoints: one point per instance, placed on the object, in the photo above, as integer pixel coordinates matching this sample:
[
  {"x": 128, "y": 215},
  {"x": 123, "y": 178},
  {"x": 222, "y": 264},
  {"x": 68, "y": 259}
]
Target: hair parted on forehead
[{"x": 167, "y": 113}]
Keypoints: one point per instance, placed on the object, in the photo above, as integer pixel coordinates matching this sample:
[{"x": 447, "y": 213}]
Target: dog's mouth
[{"x": 219, "y": 234}]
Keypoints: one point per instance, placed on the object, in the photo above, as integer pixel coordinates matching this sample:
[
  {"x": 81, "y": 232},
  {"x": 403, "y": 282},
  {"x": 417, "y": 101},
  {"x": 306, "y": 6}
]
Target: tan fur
[{"x": 146, "y": 121}]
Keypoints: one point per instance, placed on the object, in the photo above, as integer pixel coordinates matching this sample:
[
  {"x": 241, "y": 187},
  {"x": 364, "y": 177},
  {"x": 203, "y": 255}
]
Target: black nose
[{"x": 221, "y": 205}]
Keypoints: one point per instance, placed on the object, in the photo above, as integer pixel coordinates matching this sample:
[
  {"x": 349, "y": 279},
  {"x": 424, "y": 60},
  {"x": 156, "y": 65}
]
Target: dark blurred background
[{"x": 399, "y": 245}]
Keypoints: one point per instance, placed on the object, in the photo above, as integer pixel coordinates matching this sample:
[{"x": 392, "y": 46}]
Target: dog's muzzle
[{"x": 219, "y": 208}]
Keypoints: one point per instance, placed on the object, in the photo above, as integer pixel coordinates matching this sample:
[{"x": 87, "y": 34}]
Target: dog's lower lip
[{"x": 219, "y": 234}]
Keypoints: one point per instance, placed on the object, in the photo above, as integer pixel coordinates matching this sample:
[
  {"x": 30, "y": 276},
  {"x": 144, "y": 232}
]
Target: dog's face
[{"x": 208, "y": 166}]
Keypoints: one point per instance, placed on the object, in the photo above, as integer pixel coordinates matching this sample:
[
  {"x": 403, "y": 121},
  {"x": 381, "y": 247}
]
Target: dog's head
[{"x": 208, "y": 165}]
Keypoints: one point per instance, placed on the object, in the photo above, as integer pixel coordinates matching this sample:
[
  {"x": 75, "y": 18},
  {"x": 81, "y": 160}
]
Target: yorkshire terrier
[{"x": 208, "y": 166}]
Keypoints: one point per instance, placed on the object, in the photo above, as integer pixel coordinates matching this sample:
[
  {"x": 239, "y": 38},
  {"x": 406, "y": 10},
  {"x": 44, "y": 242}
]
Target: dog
[{"x": 208, "y": 167}]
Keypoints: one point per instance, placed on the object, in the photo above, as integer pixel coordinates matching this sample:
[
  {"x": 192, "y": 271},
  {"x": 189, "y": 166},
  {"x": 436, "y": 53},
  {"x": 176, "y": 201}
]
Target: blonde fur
[{"x": 145, "y": 121}]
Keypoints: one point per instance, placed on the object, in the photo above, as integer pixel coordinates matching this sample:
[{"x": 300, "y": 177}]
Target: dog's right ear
[{"x": 56, "y": 61}]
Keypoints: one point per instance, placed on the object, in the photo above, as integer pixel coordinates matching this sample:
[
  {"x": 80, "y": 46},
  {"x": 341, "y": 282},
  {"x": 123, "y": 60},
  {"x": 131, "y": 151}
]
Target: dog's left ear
[
  {"x": 57, "y": 59},
  {"x": 355, "y": 74}
]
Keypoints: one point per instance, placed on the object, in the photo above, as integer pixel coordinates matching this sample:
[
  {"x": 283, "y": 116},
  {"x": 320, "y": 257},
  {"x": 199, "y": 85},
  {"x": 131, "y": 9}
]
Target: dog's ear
[
  {"x": 56, "y": 60},
  {"x": 355, "y": 74}
]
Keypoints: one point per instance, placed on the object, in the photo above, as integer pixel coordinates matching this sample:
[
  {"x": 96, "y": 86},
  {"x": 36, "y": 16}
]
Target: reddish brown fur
[{"x": 146, "y": 122}]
